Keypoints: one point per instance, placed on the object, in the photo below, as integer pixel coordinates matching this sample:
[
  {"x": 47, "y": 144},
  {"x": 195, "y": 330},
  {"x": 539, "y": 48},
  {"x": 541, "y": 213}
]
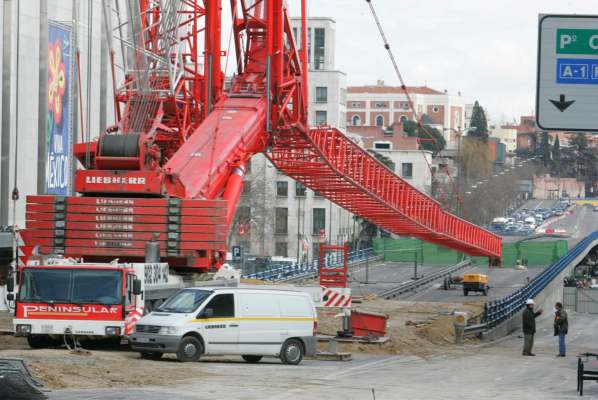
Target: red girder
[{"x": 326, "y": 161}]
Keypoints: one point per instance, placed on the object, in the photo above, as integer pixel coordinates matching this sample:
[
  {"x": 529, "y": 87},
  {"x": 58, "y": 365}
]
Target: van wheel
[
  {"x": 292, "y": 352},
  {"x": 150, "y": 356},
  {"x": 190, "y": 349},
  {"x": 252, "y": 359}
]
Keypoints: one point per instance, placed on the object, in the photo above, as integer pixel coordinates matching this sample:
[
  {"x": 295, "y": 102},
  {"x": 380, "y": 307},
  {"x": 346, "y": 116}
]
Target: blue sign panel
[
  {"x": 58, "y": 118},
  {"x": 577, "y": 71}
]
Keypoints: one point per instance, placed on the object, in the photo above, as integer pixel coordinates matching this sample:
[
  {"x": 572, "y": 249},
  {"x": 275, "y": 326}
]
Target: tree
[
  {"x": 474, "y": 160},
  {"x": 556, "y": 157},
  {"x": 479, "y": 124},
  {"x": 431, "y": 138},
  {"x": 586, "y": 161},
  {"x": 544, "y": 149}
]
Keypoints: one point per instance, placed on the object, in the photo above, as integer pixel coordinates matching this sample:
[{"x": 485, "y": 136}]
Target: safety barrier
[
  {"x": 501, "y": 310},
  {"x": 277, "y": 273}
]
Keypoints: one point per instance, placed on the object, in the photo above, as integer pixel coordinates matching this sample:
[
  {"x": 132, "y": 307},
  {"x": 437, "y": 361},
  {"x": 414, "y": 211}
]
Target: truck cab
[{"x": 63, "y": 297}]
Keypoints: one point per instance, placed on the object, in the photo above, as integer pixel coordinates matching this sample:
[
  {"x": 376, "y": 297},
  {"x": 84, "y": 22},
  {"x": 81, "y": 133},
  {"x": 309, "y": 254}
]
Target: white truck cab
[{"x": 251, "y": 322}]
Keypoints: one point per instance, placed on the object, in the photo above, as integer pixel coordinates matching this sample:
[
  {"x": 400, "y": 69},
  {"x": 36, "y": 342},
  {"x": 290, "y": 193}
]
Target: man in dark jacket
[
  {"x": 561, "y": 327},
  {"x": 529, "y": 327}
]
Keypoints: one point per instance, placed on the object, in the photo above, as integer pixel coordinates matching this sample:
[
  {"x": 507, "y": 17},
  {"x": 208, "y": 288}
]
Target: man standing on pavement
[
  {"x": 561, "y": 327},
  {"x": 529, "y": 327}
]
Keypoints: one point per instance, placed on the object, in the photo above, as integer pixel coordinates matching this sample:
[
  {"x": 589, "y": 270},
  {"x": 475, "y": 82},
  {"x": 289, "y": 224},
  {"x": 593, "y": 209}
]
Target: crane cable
[{"x": 417, "y": 117}]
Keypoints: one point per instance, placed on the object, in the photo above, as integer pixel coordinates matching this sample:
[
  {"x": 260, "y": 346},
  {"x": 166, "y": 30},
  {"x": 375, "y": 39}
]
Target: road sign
[
  {"x": 237, "y": 253},
  {"x": 567, "y": 80}
]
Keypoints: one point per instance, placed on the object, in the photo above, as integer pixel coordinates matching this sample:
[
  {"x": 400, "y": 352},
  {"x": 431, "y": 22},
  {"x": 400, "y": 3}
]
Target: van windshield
[{"x": 185, "y": 301}]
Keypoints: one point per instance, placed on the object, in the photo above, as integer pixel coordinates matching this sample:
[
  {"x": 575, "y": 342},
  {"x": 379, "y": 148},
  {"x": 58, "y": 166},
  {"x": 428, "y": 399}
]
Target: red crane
[{"x": 174, "y": 162}]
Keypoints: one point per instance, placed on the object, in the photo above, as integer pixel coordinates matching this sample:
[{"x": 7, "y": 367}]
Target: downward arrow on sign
[{"x": 561, "y": 104}]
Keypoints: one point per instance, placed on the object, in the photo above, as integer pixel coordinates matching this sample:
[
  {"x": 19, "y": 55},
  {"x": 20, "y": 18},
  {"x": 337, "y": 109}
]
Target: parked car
[
  {"x": 248, "y": 322},
  {"x": 595, "y": 208}
]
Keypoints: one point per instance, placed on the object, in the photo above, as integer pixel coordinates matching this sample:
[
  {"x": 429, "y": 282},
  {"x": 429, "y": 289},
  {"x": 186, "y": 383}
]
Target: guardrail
[
  {"x": 410, "y": 286},
  {"x": 496, "y": 312},
  {"x": 279, "y": 273}
]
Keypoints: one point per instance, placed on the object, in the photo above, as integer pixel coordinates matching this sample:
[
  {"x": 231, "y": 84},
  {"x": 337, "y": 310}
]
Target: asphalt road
[
  {"x": 385, "y": 276},
  {"x": 502, "y": 281},
  {"x": 495, "y": 371}
]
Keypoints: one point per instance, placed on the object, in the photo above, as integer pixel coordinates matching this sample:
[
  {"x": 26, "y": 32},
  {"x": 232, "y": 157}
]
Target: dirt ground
[
  {"x": 421, "y": 329},
  {"x": 415, "y": 328}
]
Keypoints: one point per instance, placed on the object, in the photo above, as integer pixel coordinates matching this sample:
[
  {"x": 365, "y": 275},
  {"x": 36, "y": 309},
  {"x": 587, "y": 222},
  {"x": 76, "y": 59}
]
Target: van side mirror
[
  {"x": 136, "y": 287},
  {"x": 10, "y": 284},
  {"x": 207, "y": 313}
]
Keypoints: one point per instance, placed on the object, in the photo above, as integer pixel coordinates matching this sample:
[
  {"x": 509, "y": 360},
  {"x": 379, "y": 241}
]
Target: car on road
[
  {"x": 595, "y": 208},
  {"x": 250, "y": 322}
]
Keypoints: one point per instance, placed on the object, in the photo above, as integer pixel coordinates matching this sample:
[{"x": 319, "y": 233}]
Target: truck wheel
[
  {"x": 486, "y": 292},
  {"x": 190, "y": 349},
  {"x": 252, "y": 359},
  {"x": 465, "y": 292},
  {"x": 292, "y": 352},
  {"x": 40, "y": 341},
  {"x": 150, "y": 356}
]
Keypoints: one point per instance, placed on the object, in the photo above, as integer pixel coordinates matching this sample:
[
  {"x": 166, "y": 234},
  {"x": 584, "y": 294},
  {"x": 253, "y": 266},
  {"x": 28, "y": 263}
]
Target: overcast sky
[{"x": 485, "y": 49}]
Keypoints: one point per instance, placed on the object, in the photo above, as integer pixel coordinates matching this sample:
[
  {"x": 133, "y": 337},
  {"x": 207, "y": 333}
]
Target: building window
[
  {"x": 300, "y": 190},
  {"x": 296, "y": 38},
  {"x": 321, "y": 94},
  {"x": 356, "y": 121},
  {"x": 380, "y": 105},
  {"x": 319, "y": 47},
  {"x": 282, "y": 188},
  {"x": 244, "y": 214},
  {"x": 309, "y": 48},
  {"x": 407, "y": 170},
  {"x": 282, "y": 220},
  {"x": 403, "y": 119},
  {"x": 321, "y": 117},
  {"x": 356, "y": 105},
  {"x": 382, "y": 145},
  {"x": 435, "y": 109},
  {"x": 379, "y": 120},
  {"x": 246, "y": 188},
  {"x": 405, "y": 106},
  {"x": 319, "y": 220},
  {"x": 281, "y": 249}
]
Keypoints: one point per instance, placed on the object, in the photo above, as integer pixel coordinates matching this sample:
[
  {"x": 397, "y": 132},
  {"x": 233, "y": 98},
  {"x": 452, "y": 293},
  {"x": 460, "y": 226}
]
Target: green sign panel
[{"x": 577, "y": 41}]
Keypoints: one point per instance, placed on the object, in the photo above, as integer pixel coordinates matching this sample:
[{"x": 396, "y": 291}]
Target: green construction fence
[{"x": 539, "y": 253}]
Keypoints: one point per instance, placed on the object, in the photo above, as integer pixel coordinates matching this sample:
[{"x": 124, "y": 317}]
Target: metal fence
[
  {"x": 278, "y": 273},
  {"x": 501, "y": 310}
]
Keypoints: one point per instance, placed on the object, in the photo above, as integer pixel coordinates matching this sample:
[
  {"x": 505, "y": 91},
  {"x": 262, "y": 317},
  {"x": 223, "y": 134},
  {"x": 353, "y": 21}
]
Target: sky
[{"x": 485, "y": 49}]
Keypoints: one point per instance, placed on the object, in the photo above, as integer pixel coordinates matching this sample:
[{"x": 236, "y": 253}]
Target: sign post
[{"x": 567, "y": 79}]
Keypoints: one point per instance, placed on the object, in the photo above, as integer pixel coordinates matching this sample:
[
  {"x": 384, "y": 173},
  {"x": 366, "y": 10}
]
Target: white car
[{"x": 230, "y": 321}]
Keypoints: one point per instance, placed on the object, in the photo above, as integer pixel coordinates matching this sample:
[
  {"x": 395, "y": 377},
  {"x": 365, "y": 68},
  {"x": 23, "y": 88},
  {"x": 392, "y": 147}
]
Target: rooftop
[{"x": 392, "y": 89}]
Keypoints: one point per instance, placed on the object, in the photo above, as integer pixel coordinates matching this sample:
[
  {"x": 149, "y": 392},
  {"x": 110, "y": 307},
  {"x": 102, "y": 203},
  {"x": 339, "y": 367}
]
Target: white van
[{"x": 250, "y": 322}]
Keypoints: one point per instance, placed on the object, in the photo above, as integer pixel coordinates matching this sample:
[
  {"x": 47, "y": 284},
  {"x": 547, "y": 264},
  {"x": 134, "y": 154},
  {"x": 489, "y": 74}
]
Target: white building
[
  {"x": 277, "y": 216},
  {"x": 327, "y": 85},
  {"x": 381, "y": 105},
  {"x": 413, "y": 166},
  {"x": 508, "y": 136}
]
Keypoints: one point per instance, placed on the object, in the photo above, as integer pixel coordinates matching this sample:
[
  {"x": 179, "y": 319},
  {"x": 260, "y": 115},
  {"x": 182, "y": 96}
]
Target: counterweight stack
[{"x": 173, "y": 163}]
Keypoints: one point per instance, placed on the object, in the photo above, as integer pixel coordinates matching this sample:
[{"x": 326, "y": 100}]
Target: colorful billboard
[{"x": 59, "y": 116}]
